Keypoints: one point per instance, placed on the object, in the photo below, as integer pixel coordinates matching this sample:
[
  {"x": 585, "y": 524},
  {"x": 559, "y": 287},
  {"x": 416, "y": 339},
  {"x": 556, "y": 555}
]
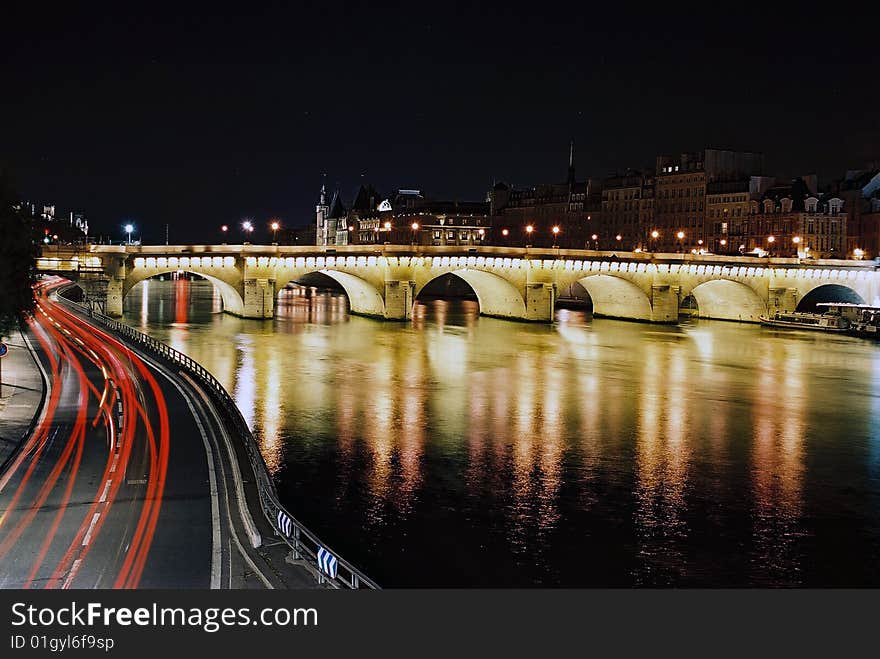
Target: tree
[{"x": 18, "y": 251}]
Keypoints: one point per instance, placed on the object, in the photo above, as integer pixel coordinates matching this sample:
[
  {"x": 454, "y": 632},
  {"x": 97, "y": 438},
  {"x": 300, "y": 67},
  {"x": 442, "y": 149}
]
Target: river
[{"x": 459, "y": 450}]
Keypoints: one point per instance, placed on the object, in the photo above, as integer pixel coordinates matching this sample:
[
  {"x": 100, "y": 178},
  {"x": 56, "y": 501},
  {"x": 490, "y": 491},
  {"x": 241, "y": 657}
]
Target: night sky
[{"x": 202, "y": 118}]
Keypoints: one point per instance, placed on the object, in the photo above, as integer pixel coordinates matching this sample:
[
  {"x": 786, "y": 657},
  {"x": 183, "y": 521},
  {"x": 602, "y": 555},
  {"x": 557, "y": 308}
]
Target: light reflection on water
[{"x": 459, "y": 450}]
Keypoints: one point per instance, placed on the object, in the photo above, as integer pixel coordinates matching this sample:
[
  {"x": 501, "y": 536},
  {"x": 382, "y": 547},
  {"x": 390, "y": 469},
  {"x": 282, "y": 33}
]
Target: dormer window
[
  {"x": 769, "y": 206},
  {"x": 786, "y": 205},
  {"x": 810, "y": 204}
]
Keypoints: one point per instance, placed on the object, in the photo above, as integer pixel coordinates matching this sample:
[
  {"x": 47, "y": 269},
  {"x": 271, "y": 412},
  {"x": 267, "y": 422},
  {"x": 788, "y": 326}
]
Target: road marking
[
  {"x": 104, "y": 493},
  {"x": 73, "y": 570},
  {"x": 88, "y": 537},
  {"x": 113, "y": 466}
]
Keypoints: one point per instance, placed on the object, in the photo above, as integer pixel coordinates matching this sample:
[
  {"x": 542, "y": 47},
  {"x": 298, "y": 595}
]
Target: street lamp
[
  {"x": 275, "y": 226},
  {"x": 723, "y": 243},
  {"x": 595, "y": 239},
  {"x": 858, "y": 253},
  {"x": 248, "y": 227},
  {"x": 555, "y": 231},
  {"x": 415, "y": 228},
  {"x": 654, "y": 236},
  {"x": 797, "y": 243},
  {"x": 680, "y": 236},
  {"x": 128, "y": 229},
  {"x": 529, "y": 229},
  {"x": 504, "y": 232}
]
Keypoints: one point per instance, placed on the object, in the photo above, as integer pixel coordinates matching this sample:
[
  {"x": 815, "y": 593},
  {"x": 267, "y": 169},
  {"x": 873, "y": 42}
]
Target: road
[{"x": 103, "y": 494}]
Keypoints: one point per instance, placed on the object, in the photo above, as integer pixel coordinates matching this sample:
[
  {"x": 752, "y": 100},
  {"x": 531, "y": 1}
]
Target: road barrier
[{"x": 305, "y": 545}]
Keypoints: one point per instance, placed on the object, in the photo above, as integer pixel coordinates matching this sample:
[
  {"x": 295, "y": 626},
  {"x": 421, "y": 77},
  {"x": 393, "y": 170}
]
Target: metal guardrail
[{"x": 304, "y": 543}]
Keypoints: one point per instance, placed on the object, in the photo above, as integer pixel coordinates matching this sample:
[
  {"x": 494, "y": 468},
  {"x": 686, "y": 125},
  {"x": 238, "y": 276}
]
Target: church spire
[{"x": 571, "y": 162}]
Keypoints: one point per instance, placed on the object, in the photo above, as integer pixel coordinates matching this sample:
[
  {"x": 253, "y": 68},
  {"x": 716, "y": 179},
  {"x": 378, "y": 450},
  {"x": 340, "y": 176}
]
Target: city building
[
  {"x": 337, "y": 225},
  {"x": 727, "y": 203},
  {"x": 412, "y": 217},
  {"x": 859, "y": 189},
  {"x": 626, "y": 218},
  {"x": 680, "y": 221},
  {"x": 789, "y": 220},
  {"x": 547, "y": 214}
]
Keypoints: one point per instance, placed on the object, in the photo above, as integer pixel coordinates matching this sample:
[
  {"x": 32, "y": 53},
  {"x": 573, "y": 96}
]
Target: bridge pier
[
  {"x": 259, "y": 298},
  {"x": 399, "y": 299},
  {"x": 782, "y": 299},
  {"x": 540, "y": 301},
  {"x": 664, "y": 303}
]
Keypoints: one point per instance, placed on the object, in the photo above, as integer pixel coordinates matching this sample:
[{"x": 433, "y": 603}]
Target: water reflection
[{"x": 590, "y": 452}]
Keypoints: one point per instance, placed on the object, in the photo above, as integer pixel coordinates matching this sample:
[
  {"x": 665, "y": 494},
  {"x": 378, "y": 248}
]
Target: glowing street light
[
  {"x": 504, "y": 232},
  {"x": 771, "y": 239},
  {"x": 529, "y": 229},
  {"x": 275, "y": 226},
  {"x": 388, "y": 226},
  {"x": 796, "y": 240},
  {"x": 128, "y": 229},
  {"x": 248, "y": 227},
  {"x": 859, "y": 253},
  {"x": 655, "y": 234},
  {"x": 415, "y": 228},
  {"x": 555, "y": 231}
]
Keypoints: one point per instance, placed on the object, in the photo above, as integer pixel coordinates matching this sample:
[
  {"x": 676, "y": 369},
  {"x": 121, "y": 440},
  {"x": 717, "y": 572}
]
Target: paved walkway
[{"x": 20, "y": 394}]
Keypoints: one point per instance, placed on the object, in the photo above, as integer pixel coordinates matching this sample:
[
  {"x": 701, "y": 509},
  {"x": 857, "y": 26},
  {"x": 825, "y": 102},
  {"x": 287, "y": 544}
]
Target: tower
[
  {"x": 321, "y": 217},
  {"x": 571, "y": 163}
]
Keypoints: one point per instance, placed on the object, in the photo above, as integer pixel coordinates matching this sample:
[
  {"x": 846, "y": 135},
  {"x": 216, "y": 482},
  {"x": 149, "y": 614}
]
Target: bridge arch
[
  {"x": 495, "y": 295},
  {"x": 726, "y": 299},
  {"x": 616, "y": 297},
  {"x": 830, "y": 292},
  {"x": 363, "y": 298},
  {"x": 232, "y": 301}
]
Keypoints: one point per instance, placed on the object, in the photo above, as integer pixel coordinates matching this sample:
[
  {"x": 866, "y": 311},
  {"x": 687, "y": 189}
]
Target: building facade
[
  {"x": 680, "y": 218},
  {"x": 548, "y": 214},
  {"x": 626, "y": 218}
]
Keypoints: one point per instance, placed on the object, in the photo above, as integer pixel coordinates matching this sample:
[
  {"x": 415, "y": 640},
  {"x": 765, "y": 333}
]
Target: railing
[{"x": 304, "y": 543}]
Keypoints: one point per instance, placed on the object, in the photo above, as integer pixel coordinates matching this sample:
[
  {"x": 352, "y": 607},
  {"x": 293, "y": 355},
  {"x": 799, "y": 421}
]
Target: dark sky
[{"x": 202, "y": 118}]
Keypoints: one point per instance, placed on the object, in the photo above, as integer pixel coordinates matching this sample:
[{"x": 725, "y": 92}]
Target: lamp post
[
  {"x": 555, "y": 231},
  {"x": 797, "y": 245},
  {"x": 595, "y": 239},
  {"x": 415, "y": 229},
  {"x": 274, "y": 226},
  {"x": 223, "y": 230},
  {"x": 388, "y": 230},
  {"x": 529, "y": 229},
  {"x": 654, "y": 236},
  {"x": 770, "y": 241},
  {"x": 247, "y": 227},
  {"x": 680, "y": 236},
  {"x": 128, "y": 229},
  {"x": 723, "y": 243}
]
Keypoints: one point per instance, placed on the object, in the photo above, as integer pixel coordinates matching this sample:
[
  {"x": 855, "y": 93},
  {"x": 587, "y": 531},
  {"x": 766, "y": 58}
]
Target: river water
[{"x": 458, "y": 450}]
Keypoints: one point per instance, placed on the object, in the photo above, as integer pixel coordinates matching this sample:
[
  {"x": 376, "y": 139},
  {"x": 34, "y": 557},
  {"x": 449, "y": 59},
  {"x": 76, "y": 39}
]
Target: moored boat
[{"x": 823, "y": 322}]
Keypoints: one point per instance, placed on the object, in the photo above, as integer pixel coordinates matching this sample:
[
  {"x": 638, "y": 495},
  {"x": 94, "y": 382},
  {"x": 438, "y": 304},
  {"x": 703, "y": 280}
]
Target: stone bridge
[{"x": 521, "y": 284}]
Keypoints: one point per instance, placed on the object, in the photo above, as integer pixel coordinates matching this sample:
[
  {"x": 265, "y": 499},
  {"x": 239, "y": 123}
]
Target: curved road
[{"x": 123, "y": 482}]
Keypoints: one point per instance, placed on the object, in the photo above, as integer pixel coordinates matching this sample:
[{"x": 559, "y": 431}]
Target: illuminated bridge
[{"x": 521, "y": 284}]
